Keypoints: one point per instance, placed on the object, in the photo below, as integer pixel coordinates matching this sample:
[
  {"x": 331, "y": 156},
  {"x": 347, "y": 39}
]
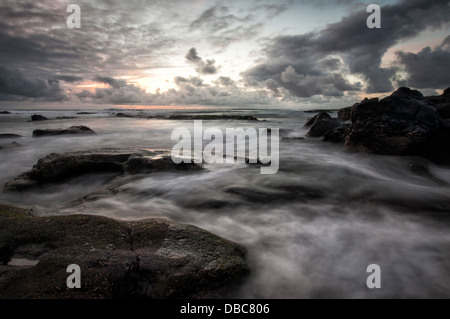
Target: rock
[
  {"x": 152, "y": 258},
  {"x": 405, "y": 123},
  {"x": 280, "y": 193},
  {"x": 442, "y": 103},
  {"x": 86, "y": 113},
  {"x": 65, "y": 117},
  {"x": 345, "y": 113},
  {"x": 70, "y": 130},
  {"x": 419, "y": 167},
  {"x": 124, "y": 115},
  {"x": 213, "y": 117},
  {"x": 407, "y": 93},
  {"x": 318, "y": 117},
  {"x": 11, "y": 145},
  {"x": 444, "y": 110},
  {"x": 337, "y": 135},
  {"x": 58, "y": 167},
  {"x": 37, "y": 117},
  {"x": 5, "y": 112},
  {"x": 8, "y": 135},
  {"x": 321, "y": 127},
  {"x": 321, "y": 110}
]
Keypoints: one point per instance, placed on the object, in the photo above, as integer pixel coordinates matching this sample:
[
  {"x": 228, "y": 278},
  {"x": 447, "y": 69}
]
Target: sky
[{"x": 299, "y": 54}]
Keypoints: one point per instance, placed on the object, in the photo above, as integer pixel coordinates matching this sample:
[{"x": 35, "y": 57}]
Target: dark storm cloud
[
  {"x": 305, "y": 59},
  {"x": 69, "y": 78},
  {"x": 428, "y": 68},
  {"x": 16, "y": 86},
  {"x": 205, "y": 67}
]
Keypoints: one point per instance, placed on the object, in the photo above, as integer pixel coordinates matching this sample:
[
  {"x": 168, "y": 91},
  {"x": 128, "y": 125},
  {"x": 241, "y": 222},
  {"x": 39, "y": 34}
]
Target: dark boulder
[
  {"x": 345, "y": 113},
  {"x": 337, "y": 135},
  {"x": 37, "y": 117},
  {"x": 405, "y": 123},
  {"x": 444, "y": 110},
  {"x": 318, "y": 117},
  {"x": 152, "y": 258},
  {"x": 321, "y": 127},
  {"x": 5, "y": 112},
  {"x": 68, "y": 131}
]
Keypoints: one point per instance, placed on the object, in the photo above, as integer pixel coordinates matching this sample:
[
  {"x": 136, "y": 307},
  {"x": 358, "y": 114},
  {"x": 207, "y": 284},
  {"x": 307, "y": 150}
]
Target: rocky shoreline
[{"x": 406, "y": 123}]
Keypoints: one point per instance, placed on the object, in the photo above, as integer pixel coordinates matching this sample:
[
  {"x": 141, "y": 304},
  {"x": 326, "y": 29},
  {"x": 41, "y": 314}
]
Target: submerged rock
[
  {"x": 57, "y": 167},
  {"x": 71, "y": 130},
  {"x": 9, "y": 135},
  {"x": 213, "y": 117},
  {"x": 152, "y": 258},
  {"x": 124, "y": 115},
  {"x": 11, "y": 145},
  {"x": 65, "y": 117},
  {"x": 37, "y": 117}
]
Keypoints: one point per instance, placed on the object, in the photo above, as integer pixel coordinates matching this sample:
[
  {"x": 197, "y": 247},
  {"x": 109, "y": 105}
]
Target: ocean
[{"x": 311, "y": 229}]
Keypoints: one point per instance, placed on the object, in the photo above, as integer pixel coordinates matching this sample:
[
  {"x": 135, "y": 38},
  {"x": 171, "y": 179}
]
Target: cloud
[
  {"x": 190, "y": 91},
  {"x": 214, "y": 19},
  {"x": 16, "y": 86},
  {"x": 69, "y": 78},
  {"x": 221, "y": 27},
  {"x": 119, "y": 92},
  {"x": 225, "y": 81},
  {"x": 428, "y": 68},
  {"x": 306, "y": 65},
  {"x": 203, "y": 67},
  {"x": 114, "y": 83},
  {"x": 272, "y": 10},
  {"x": 196, "y": 81}
]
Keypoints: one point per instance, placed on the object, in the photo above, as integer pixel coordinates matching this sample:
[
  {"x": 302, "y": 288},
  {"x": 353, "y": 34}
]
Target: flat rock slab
[{"x": 152, "y": 258}]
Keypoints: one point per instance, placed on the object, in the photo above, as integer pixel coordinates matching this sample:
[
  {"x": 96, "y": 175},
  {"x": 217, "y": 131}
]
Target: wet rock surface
[
  {"x": 57, "y": 167},
  {"x": 405, "y": 123},
  {"x": 152, "y": 258}
]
